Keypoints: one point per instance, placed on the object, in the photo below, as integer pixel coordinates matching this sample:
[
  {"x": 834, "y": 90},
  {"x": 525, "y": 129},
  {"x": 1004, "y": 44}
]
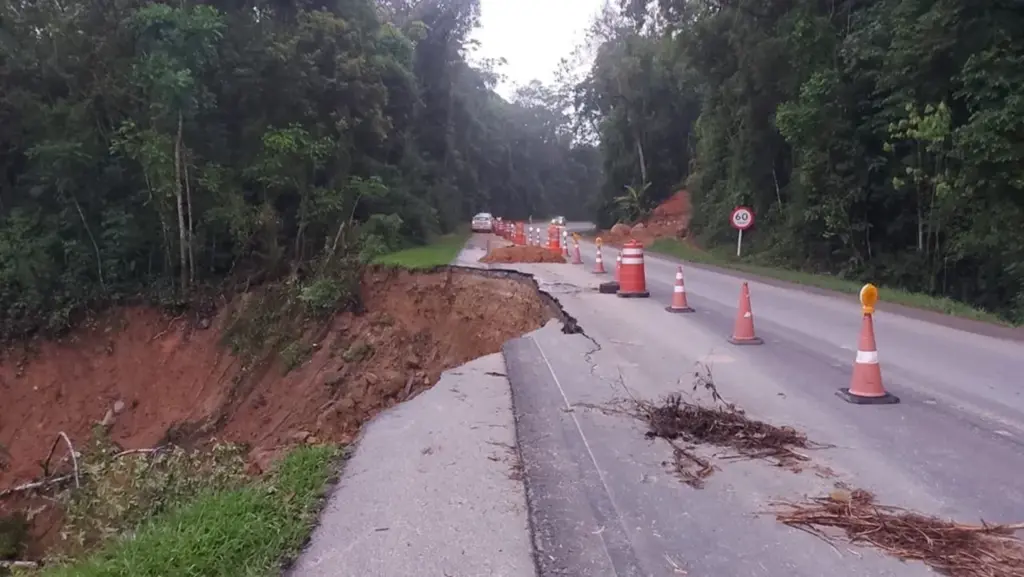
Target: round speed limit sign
[{"x": 742, "y": 218}]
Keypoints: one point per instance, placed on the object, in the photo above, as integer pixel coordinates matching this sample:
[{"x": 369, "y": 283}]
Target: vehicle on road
[
  {"x": 483, "y": 222},
  {"x": 558, "y": 221}
]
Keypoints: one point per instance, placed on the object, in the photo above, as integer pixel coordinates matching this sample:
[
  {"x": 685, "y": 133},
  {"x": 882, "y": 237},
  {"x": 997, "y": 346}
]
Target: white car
[
  {"x": 483, "y": 222},
  {"x": 558, "y": 221}
]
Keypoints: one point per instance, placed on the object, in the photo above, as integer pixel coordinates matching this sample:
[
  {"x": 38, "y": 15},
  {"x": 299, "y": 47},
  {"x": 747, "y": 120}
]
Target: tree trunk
[
  {"x": 643, "y": 162},
  {"x": 191, "y": 229},
  {"x": 92, "y": 239},
  {"x": 179, "y": 193}
]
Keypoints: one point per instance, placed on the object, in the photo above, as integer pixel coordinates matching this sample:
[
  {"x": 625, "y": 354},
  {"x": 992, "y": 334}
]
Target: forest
[
  {"x": 163, "y": 148},
  {"x": 874, "y": 139}
]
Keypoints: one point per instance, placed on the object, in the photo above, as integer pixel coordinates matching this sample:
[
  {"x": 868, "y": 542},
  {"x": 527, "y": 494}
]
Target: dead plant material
[
  {"x": 676, "y": 420},
  {"x": 954, "y": 549},
  {"x": 686, "y": 425}
]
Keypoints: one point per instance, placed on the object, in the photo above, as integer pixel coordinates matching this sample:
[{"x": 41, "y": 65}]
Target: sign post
[{"x": 741, "y": 219}]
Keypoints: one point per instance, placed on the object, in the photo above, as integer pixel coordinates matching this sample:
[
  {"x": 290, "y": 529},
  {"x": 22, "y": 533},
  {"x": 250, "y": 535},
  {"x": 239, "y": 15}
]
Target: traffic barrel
[
  {"x": 679, "y": 304},
  {"x": 743, "y": 332},
  {"x": 553, "y": 244},
  {"x": 632, "y": 277},
  {"x": 866, "y": 383}
]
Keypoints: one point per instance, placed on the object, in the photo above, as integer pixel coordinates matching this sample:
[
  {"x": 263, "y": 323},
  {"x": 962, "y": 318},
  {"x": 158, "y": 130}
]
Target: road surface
[{"x": 601, "y": 501}]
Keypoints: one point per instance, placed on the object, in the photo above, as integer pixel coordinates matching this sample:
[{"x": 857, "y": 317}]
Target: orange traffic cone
[
  {"x": 743, "y": 333},
  {"x": 866, "y": 384},
  {"x": 679, "y": 296},
  {"x": 576, "y": 253},
  {"x": 598, "y": 263}
]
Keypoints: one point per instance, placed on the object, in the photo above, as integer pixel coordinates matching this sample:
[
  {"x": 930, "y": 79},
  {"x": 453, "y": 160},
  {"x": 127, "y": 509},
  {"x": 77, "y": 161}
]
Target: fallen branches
[
  {"x": 676, "y": 420},
  {"x": 47, "y": 480},
  {"x": 71, "y": 451},
  {"x": 955, "y": 549}
]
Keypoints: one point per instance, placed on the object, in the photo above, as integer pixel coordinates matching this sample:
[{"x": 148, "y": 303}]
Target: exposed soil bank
[
  {"x": 670, "y": 219},
  {"x": 155, "y": 379}
]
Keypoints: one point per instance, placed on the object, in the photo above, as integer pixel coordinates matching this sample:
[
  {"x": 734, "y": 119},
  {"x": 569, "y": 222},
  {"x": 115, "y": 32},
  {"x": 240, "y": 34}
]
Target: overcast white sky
[{"x": 533, "y": 35}]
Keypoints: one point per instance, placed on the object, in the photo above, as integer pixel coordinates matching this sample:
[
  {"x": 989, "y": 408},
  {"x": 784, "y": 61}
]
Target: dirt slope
[
  {"x": 670, "y": 219},
  {"x": 162, "y": 378}
]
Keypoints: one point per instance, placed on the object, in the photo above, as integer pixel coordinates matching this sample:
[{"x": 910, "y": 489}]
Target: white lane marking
[{"x": 586, "y": 443}]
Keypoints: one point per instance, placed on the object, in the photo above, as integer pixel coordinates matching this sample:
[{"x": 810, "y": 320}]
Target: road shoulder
[{"x": 434, "y": 488}]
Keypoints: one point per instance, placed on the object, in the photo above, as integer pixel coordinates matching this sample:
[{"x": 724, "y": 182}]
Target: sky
[{"x": 532, "y": 35}]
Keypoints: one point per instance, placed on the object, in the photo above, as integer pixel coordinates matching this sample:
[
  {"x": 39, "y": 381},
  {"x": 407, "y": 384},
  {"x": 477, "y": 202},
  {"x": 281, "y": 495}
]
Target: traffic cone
[
  {"x": 679, "y": 296},
  {"x": 866, "y": 383},
  {"x": 743, "y": 333},
  {"x": 576, "y": 253},
  {"x": 598, "y": 263}
]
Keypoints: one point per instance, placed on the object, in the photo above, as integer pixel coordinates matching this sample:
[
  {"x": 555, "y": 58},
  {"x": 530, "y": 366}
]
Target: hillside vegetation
[
  {"x": 874, "y": 139},
  {"x": 157, "y": 148}
]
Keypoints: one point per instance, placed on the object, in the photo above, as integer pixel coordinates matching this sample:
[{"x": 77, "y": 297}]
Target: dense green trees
[
  {"x": 878, "y": 138},
  {"x": 156, "y": 147}
]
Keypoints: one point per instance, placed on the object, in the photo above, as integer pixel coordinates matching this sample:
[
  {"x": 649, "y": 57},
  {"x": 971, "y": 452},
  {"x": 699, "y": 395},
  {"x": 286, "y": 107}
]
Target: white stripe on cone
[{"x": 867, "y": 357}]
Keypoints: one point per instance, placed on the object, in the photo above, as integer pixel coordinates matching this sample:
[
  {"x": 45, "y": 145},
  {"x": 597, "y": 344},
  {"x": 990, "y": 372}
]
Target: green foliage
[
  {"x": 439, "y": 252},
  {"x": 222, "y": 530},
  {"x": 123, "y": 489},
  {"x": 875, "y": 139},
  {"x": 635, "y": 204},
  {"x": 150, "y": 147}
]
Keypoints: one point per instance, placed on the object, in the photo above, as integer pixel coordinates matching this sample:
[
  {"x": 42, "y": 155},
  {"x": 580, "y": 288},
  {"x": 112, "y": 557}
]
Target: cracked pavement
[{"x": 603, "y": 503}]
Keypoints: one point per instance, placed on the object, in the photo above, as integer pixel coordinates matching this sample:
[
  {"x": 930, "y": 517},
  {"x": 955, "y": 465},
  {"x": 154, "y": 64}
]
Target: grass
[
  {"x": 234, "y": 532},
  {"x": 441, "y": 251},
  {"x": 673, "y": 247}
]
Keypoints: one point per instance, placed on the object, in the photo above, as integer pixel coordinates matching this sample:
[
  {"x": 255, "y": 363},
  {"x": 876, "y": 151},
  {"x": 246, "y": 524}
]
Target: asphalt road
[{"x": 600, "y": 498}]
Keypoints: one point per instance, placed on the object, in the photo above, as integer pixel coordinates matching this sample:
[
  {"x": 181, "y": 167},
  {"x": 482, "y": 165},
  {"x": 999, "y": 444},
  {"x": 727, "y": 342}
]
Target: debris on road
[
  {"x": 686, "y": 425},
  {"x": 728, "y": 427},
  {"x": 951, "y": 548},
  {"x": 525, "y": 254}
]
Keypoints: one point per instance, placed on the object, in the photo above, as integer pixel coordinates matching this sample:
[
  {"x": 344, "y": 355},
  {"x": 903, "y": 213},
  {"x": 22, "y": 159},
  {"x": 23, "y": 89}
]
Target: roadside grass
[
  {"x": 673, "y": 247},
  {"x": 440, "y": 251},
  {"x": 251, "y": 530}
]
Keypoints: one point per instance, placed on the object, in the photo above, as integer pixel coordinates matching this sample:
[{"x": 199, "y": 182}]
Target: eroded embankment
[{"x": 150, "y": 379}]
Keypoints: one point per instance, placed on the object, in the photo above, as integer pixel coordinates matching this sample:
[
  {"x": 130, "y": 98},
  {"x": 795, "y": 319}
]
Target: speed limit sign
[{"x": 742, "y": 218}]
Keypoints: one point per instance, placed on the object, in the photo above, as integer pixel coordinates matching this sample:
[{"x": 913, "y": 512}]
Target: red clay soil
[
  {"x": 670, "y": 219},
  {"x": 527, "y": 254},
  {"x": 167, "y": 374}
]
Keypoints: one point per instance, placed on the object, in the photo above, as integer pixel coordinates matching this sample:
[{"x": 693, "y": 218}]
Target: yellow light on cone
[{"x": 868, "y": 298}]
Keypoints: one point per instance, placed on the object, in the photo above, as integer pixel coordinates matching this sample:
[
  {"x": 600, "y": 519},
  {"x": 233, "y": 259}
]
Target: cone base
[
  {"x": 633, "y": 295},
  {"x": 608, "y": 288},
  {"x": 599, "y": 272},
  {"x": 680, "y": 310},
  {"x": 886, "y": 399},
  {"x": 748, "y": 341}
]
